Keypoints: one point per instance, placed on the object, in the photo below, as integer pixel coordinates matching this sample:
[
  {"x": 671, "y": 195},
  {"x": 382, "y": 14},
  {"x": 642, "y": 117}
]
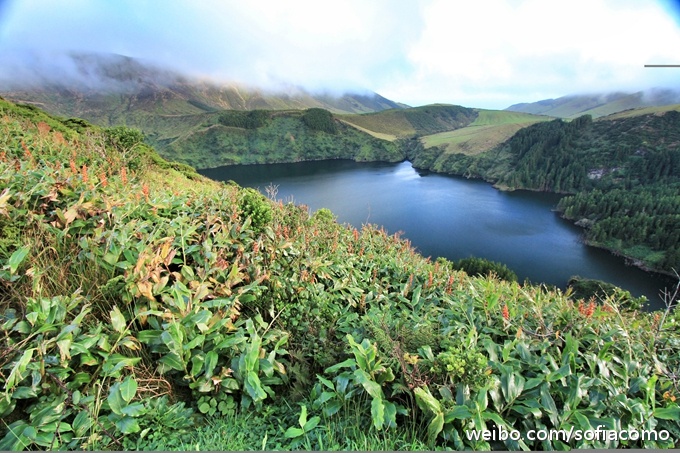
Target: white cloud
[
  {"x": 480, "y": 53},
  {"x": 493, "y": 51}
]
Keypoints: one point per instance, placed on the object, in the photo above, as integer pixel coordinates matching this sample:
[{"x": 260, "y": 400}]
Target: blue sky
[{"x": 483, "y": 53}]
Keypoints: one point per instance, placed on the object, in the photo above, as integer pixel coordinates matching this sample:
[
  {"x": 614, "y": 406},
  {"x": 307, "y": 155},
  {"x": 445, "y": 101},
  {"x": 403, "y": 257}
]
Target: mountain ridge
[
  {"x": 69, "y": 84},
  {"x": 599, "y": 104}
]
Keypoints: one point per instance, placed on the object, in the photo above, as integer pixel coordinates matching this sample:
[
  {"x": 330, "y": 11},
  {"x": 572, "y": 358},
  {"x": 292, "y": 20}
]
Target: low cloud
[{"x": 490, "y": 53}]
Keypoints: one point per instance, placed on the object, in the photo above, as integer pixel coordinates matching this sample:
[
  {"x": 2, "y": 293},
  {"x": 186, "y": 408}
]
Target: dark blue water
[{"x": 450, "y": 217}]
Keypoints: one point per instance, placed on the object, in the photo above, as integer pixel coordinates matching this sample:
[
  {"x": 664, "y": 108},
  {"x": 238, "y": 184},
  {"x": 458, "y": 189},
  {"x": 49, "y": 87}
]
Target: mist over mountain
[
  {"x": 601, "y": 104},
  {"x": 102, "y": 87}
]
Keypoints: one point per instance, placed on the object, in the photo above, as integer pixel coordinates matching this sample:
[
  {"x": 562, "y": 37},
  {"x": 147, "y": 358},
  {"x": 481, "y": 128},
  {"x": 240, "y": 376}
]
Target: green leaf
[
  {"x": 332, "y": 407},
  {"x": 128, "y": 425},
  {"x": 116, "y": 362},
  {"x": 342, "y": 382},
  {"x": 173, "y": 361},
  {"x": 210, "y": 363},
  {"x": 17, "y": 258},
  {"x": 311, "y": 424},
  {"x": 345, "y": 364},
  {"x": 18, "y": 370},
  {"x": 426, "y": 352},
  {"x": 252, "y": 353},
  {"x": 117, "y": 320},
  {"x": 325, "y": 396},
  {"x": 326, "y": 382},
  {"x": 115, "y": 399},
  {"x": 253, "y": 387},
  {"x": 667, "y": 413},
  {"x": 204, "y": 407},
  {"x": 24, "y": 392},
  {"x": 134, "y": 410},
  {"x": 564, "y": 371},
  {"x": 82, "y": 423},
  {"x": 7, "y": 405},
  {"x": 385, "y": 376},
  {"x": 583, "y": 422},
  {"x": 426, "y": 401},
  {"x": 390, "y": 414},
  {"x": 512, "y": 385},
  {"x": 196, "y": 342},
  {"x": 549, "y": 404},
  {"x": 359, "y": 353},
  {"x": 371, "y": 387},
  {"x": 302, "y": 419},
  {"x": 457, "y": 413},
  {"x": 435, "y": 427},
  {"x": 266, "y": 367},
  {"x": 128, "y": 389},
  {"x": 377, "y": 413},
  {"x": 293, "y": 432},
  {"x": 533, "y": 382}
]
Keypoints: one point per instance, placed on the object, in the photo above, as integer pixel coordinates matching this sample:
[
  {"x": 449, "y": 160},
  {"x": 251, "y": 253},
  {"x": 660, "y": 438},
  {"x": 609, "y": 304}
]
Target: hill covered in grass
[
  {"x": 425, "y": 120},
  {"x": 145, "y": 307},
  {"x": 489, "y": 129}
]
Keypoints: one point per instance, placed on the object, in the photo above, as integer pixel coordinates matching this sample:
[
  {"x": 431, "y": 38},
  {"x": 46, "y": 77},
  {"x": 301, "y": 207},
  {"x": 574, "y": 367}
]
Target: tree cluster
[
  {"x": 320, "y": 120},
  {"x": 244, "y": 119},
  {"x": 482, "y": 267}
]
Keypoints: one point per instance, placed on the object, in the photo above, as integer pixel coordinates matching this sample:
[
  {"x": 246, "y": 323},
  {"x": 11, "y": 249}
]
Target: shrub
[
  {"x": 483, "y": 267},
  {"x": 255, "y": 206},
  {"x": 123, "y": 138}
]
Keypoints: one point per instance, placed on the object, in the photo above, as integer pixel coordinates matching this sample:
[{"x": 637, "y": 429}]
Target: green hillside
[
  {"x": 490, "y": 128},
  {"x": 624, "y": 171},
  {"x": 280, "y": 137},
  {"x": 426, "y": 120},
  {"x": 643, "y": 111},
  {"x": 143, "y": 307}
]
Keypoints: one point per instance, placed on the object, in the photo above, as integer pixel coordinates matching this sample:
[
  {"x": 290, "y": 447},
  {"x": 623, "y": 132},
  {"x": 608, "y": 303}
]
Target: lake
[{"x": 451, "y": 217}]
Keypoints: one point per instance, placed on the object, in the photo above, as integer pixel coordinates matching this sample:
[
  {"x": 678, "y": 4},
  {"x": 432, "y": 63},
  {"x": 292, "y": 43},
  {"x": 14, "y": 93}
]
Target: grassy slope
[
  {"x": 117, "y": 286},
  {"x": 423, "y": 120},
  {"x": 642, "y": 111},
  {"x": 489, "y": 129}
]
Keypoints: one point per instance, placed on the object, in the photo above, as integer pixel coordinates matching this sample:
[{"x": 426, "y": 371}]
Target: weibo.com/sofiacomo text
[{"x": 567, "y": 435}]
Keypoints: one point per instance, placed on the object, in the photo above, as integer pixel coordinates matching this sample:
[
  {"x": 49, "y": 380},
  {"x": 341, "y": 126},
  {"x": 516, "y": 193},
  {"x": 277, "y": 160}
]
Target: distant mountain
[
  {"x": 113, "y": 89},
  {"x": 598, "y": 105}
]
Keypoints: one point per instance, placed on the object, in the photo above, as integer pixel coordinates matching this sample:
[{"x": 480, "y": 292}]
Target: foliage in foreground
[{"x": 133, "y": 310}]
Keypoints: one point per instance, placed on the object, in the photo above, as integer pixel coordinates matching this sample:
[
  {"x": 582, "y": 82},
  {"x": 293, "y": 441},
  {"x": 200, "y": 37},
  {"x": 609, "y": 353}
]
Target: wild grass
[
  {"x": 490, "y": 128},
  {"x": 640, "y": 111}
]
